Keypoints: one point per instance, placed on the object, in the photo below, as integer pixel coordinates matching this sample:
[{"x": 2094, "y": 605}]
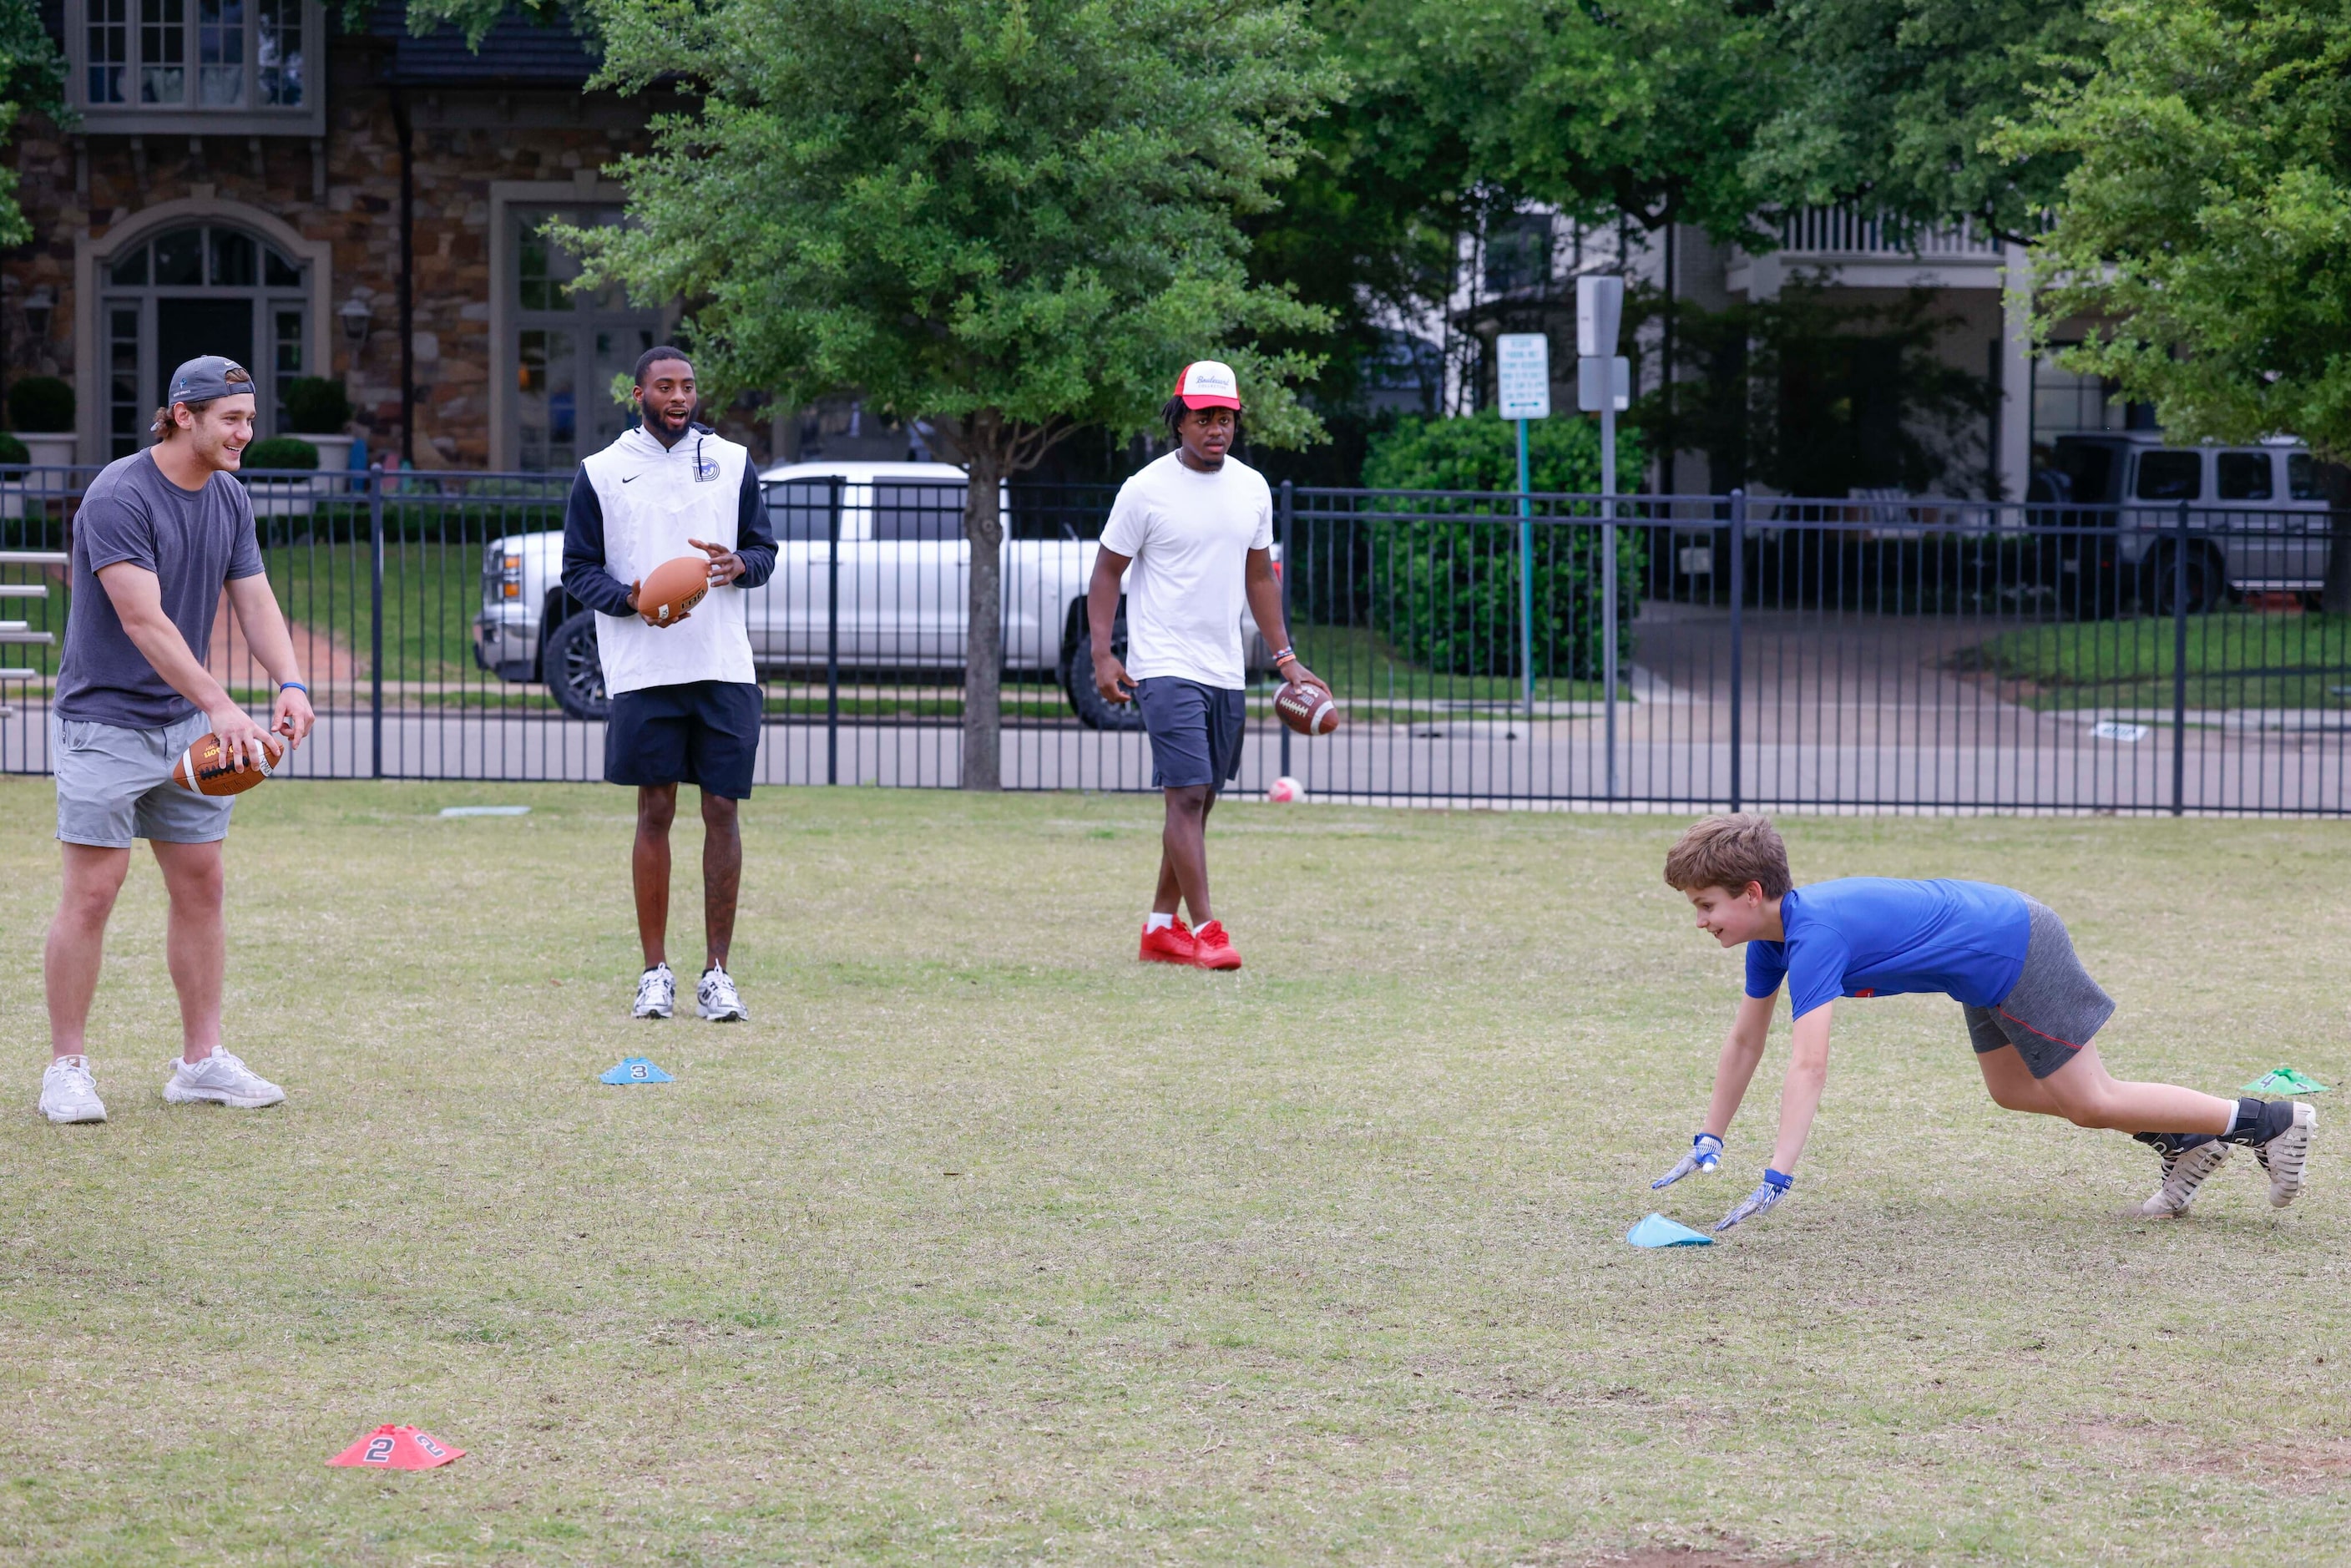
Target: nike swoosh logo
[{"x": 632, "y": 478}]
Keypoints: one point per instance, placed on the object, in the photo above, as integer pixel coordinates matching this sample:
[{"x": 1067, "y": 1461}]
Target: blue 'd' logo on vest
[{"x": 706, "y": 469}]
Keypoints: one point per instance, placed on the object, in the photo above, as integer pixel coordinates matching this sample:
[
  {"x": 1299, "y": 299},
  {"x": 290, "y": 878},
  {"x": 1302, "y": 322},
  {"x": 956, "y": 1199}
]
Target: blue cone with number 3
[
  {"x": 1656, "y": 1230},
  {"x": 635, "y": 1069}
]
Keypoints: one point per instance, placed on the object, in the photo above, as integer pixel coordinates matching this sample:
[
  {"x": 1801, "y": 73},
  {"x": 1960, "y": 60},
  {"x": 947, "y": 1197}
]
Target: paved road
[{"x": 1864, "y": 711}]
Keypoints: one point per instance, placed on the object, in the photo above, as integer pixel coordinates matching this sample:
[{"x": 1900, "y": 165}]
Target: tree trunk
[{"x": 983, "y": 674}]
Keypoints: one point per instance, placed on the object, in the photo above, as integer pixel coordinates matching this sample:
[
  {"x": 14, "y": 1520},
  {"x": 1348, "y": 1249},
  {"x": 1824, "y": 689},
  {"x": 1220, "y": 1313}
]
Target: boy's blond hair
[{"x": 1729, "y": 852}]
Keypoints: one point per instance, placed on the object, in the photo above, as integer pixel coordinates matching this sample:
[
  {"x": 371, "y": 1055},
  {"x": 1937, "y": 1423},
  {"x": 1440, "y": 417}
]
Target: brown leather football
[
  {"x": 673, "y": 587},
  {"x": 203, "y": 770},
  {"x": 1309, "y": 710}
]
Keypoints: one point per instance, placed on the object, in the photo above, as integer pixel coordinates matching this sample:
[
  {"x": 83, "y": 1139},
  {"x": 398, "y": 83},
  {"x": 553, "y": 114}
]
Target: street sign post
[
  {"x": 1522, "y": 381},
  {"x": 1603, "y": 384}
]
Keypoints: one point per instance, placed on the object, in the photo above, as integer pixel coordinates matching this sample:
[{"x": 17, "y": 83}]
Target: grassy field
[
  {"x": 983, "y": 1243},
  {"x": 2235, "y": 660}
]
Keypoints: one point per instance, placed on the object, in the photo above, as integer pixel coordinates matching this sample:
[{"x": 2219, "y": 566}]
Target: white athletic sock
[{"x": 1155, "y": 921}]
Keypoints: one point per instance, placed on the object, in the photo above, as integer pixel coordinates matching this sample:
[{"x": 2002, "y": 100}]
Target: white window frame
[
  {"x": 191, "y": 118},
  {"x": 94, "y": 257}
]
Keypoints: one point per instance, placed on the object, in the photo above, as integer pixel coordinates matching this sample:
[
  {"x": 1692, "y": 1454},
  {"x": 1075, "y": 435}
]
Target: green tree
[
  {"x": 2205, "y": 233},
  {"x": 1889, "y": 104},
  {"x": 32, "y": 76},
  {"x": 1012, "y": 217}
]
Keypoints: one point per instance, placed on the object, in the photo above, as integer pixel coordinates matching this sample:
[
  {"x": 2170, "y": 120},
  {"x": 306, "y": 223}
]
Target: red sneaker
[
  {"x": 1212, "y": 949},
  {"x": 1168, "y": 945}
]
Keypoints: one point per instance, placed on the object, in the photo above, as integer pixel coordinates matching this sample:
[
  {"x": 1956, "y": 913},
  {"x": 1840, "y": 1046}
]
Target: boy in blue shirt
[{"x": 2030, "y": 1006}]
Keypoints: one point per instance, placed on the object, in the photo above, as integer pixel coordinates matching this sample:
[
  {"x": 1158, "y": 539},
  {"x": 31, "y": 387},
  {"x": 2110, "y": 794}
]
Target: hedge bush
[
  {"x": 41, "y": 405},
  {"x": 280, "y": 452},
  {"x": 1446, "y": 586}
]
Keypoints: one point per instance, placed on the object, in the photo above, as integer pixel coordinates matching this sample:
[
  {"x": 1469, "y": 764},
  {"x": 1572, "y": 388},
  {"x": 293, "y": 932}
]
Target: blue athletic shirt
[{"x": 1875, "y": 935}]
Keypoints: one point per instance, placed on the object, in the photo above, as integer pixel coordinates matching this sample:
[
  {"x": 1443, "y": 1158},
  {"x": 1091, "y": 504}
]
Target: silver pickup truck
[{"x": 899, "y": 603}]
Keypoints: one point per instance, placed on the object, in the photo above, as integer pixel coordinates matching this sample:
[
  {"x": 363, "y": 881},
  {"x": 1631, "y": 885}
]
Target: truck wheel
[
  {"x": 1078, "y": 675},
  {"x": 2160, "y": 587},
  {"x": 575, "y": 671}
]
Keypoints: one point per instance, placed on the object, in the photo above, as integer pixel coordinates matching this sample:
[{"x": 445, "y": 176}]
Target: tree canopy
[
  {"x": 1891, "y": 104},
  {"x": 1010, "y": 218},
  {"x": 32, "y": 76},
  {"x": 2205, "y": 233}
]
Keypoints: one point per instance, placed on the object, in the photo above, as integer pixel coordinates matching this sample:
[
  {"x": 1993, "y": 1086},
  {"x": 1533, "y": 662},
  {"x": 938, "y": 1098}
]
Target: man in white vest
[{"x": 685, "y": 700}]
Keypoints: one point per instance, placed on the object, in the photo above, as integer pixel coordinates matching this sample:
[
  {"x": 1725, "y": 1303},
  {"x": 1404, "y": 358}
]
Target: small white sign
[
  {"x": 2117, "y": 729},
  {"x": 1522, "y": 374},
  {"x": 485, "y": 811},
  {"x": 1614, "y": 374}
]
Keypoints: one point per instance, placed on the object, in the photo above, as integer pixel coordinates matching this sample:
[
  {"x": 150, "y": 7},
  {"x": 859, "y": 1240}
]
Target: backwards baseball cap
[
  {"x": 1205, "y": 384},
  {"x": 209, "y": 376}
]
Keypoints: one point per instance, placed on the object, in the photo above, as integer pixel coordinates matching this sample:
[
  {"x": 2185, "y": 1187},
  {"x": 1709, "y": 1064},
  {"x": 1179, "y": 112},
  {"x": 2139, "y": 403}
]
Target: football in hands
[
  {"x": 203, "y": 770},
  {"x": 673, "y": 587},
  {"x": 1309, "y": 710}
]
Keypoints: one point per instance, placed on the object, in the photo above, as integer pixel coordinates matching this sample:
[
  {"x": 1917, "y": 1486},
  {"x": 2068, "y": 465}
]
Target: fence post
[
  {"x": 1738, "y": 602},
  {"x": 832, "y": 634},
  {"x": 375, "y": 621},
  {"x": 2179, "y": 667},
  {"x": 1289, "y": 509}
]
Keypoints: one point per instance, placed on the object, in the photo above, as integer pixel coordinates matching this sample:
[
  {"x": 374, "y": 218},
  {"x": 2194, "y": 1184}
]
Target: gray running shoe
[
  {"x": 657, "y": 993},
  {"x": 220, "y": 1079},
  {"x": 717, "y": 1000},
  {"x": 2183, "y": 1173},
  {"x": 2285, "y": 1156}
]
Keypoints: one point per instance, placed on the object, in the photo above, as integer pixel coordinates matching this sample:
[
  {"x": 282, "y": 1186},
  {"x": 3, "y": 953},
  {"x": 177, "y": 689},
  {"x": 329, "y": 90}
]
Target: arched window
[{"x": 208, "y": 288}]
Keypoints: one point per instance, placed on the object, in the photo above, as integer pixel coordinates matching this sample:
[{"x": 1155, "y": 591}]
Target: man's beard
[{"x": 661, "y": 423}]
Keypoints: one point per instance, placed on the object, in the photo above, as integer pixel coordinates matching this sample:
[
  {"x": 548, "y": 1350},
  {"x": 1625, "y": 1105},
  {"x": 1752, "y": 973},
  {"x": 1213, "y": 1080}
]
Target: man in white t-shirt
[{"x": 1195, "y": 529}]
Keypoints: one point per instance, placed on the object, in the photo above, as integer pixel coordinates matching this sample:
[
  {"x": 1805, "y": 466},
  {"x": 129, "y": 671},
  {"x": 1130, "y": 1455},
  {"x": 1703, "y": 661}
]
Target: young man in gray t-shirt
[{"x": 159, "y": 536}]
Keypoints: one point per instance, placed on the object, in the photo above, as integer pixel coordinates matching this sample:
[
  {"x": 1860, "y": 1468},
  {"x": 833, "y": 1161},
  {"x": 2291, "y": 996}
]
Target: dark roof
[{"x": 516, "y": 49}]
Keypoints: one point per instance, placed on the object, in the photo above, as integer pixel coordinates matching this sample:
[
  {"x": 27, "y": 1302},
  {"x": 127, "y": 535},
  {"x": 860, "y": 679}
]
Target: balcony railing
[{"x": 1849, "y": 232}]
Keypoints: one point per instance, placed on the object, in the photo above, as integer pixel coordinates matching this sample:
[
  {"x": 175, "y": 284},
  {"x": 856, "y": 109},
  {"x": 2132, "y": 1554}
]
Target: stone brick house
[{"x": 249, "y": 178}]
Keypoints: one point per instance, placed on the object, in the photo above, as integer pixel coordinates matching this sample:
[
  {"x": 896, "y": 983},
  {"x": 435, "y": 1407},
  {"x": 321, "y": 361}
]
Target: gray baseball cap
[{"x": 209, "y": 376}]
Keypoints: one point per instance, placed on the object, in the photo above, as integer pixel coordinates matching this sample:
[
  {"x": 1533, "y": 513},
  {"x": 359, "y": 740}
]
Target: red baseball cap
[{"x": 1208, "y": 383}]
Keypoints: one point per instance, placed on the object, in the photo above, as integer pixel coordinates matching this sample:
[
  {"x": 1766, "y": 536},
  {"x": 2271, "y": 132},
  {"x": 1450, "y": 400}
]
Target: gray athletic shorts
[
  {"x": 115, "y": 784},
  {"x": 2054, "y": 1008}
]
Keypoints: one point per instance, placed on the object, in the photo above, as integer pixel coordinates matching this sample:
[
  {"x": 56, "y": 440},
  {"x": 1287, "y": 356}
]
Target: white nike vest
[{"x": 655, "y": 499}]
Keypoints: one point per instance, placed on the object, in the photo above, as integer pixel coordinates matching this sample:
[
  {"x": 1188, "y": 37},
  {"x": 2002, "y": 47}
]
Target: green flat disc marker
[{"x": 2284, "y": 1081}]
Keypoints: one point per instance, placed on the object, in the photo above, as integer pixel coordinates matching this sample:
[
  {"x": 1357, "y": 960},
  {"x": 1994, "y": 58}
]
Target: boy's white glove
[
  {"x": 1706, "y": 1155},
  {"x": 1773, "y": 1189}
]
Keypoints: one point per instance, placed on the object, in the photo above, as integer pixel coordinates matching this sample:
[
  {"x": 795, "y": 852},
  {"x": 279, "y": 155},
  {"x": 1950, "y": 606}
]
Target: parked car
[
  {"x": 2258, "y": 519},
  {"x": 899, "y": 576}
]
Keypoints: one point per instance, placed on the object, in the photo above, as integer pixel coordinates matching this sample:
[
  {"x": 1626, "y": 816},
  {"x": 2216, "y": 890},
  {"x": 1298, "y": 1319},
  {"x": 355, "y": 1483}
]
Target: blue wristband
[
  {"x": 1772, "y": 1178},
  {"x": 295, "y": 686}
]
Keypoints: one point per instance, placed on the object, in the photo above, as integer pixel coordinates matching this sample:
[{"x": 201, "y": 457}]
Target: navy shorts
[
  {"x": 702, "y": 732},
  {"x": 1196, "y": 731}
]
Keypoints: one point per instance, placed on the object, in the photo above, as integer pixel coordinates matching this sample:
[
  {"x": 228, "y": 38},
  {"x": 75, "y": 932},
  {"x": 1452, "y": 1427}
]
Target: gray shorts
[
  {"x": 115, "y": 784},
  {"x": 2054, "y": 1007}
]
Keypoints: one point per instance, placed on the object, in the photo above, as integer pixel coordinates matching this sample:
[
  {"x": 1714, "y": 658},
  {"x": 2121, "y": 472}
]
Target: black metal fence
[{"x": 1688, "y": 652}]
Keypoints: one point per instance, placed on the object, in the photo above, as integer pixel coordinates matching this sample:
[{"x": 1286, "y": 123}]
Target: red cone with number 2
[{"x": 390, "y": 1447}]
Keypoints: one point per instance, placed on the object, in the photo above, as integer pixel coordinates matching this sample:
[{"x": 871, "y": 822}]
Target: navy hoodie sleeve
[
  {"x": 584, "y": 576},
  {"x": 753, "y": 541}
]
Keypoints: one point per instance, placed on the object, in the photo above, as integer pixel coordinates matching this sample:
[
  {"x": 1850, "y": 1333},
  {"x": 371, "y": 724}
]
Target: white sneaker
[
  {"x": 717, "y": 1000},
  {"x": 2183, "y": 1175},
  {"x": 222, "y": 1079},
  {"x": 657, "y": 993},
  {"x": 68, "y": 1093},
  {"x": 2285, "y": 1156}
]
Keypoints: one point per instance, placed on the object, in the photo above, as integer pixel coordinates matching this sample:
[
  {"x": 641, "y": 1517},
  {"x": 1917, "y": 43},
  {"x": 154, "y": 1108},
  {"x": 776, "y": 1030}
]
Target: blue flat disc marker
[
  {"x": 1656, "y": 1230},
  {"x": 634, "y": 1069}
]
